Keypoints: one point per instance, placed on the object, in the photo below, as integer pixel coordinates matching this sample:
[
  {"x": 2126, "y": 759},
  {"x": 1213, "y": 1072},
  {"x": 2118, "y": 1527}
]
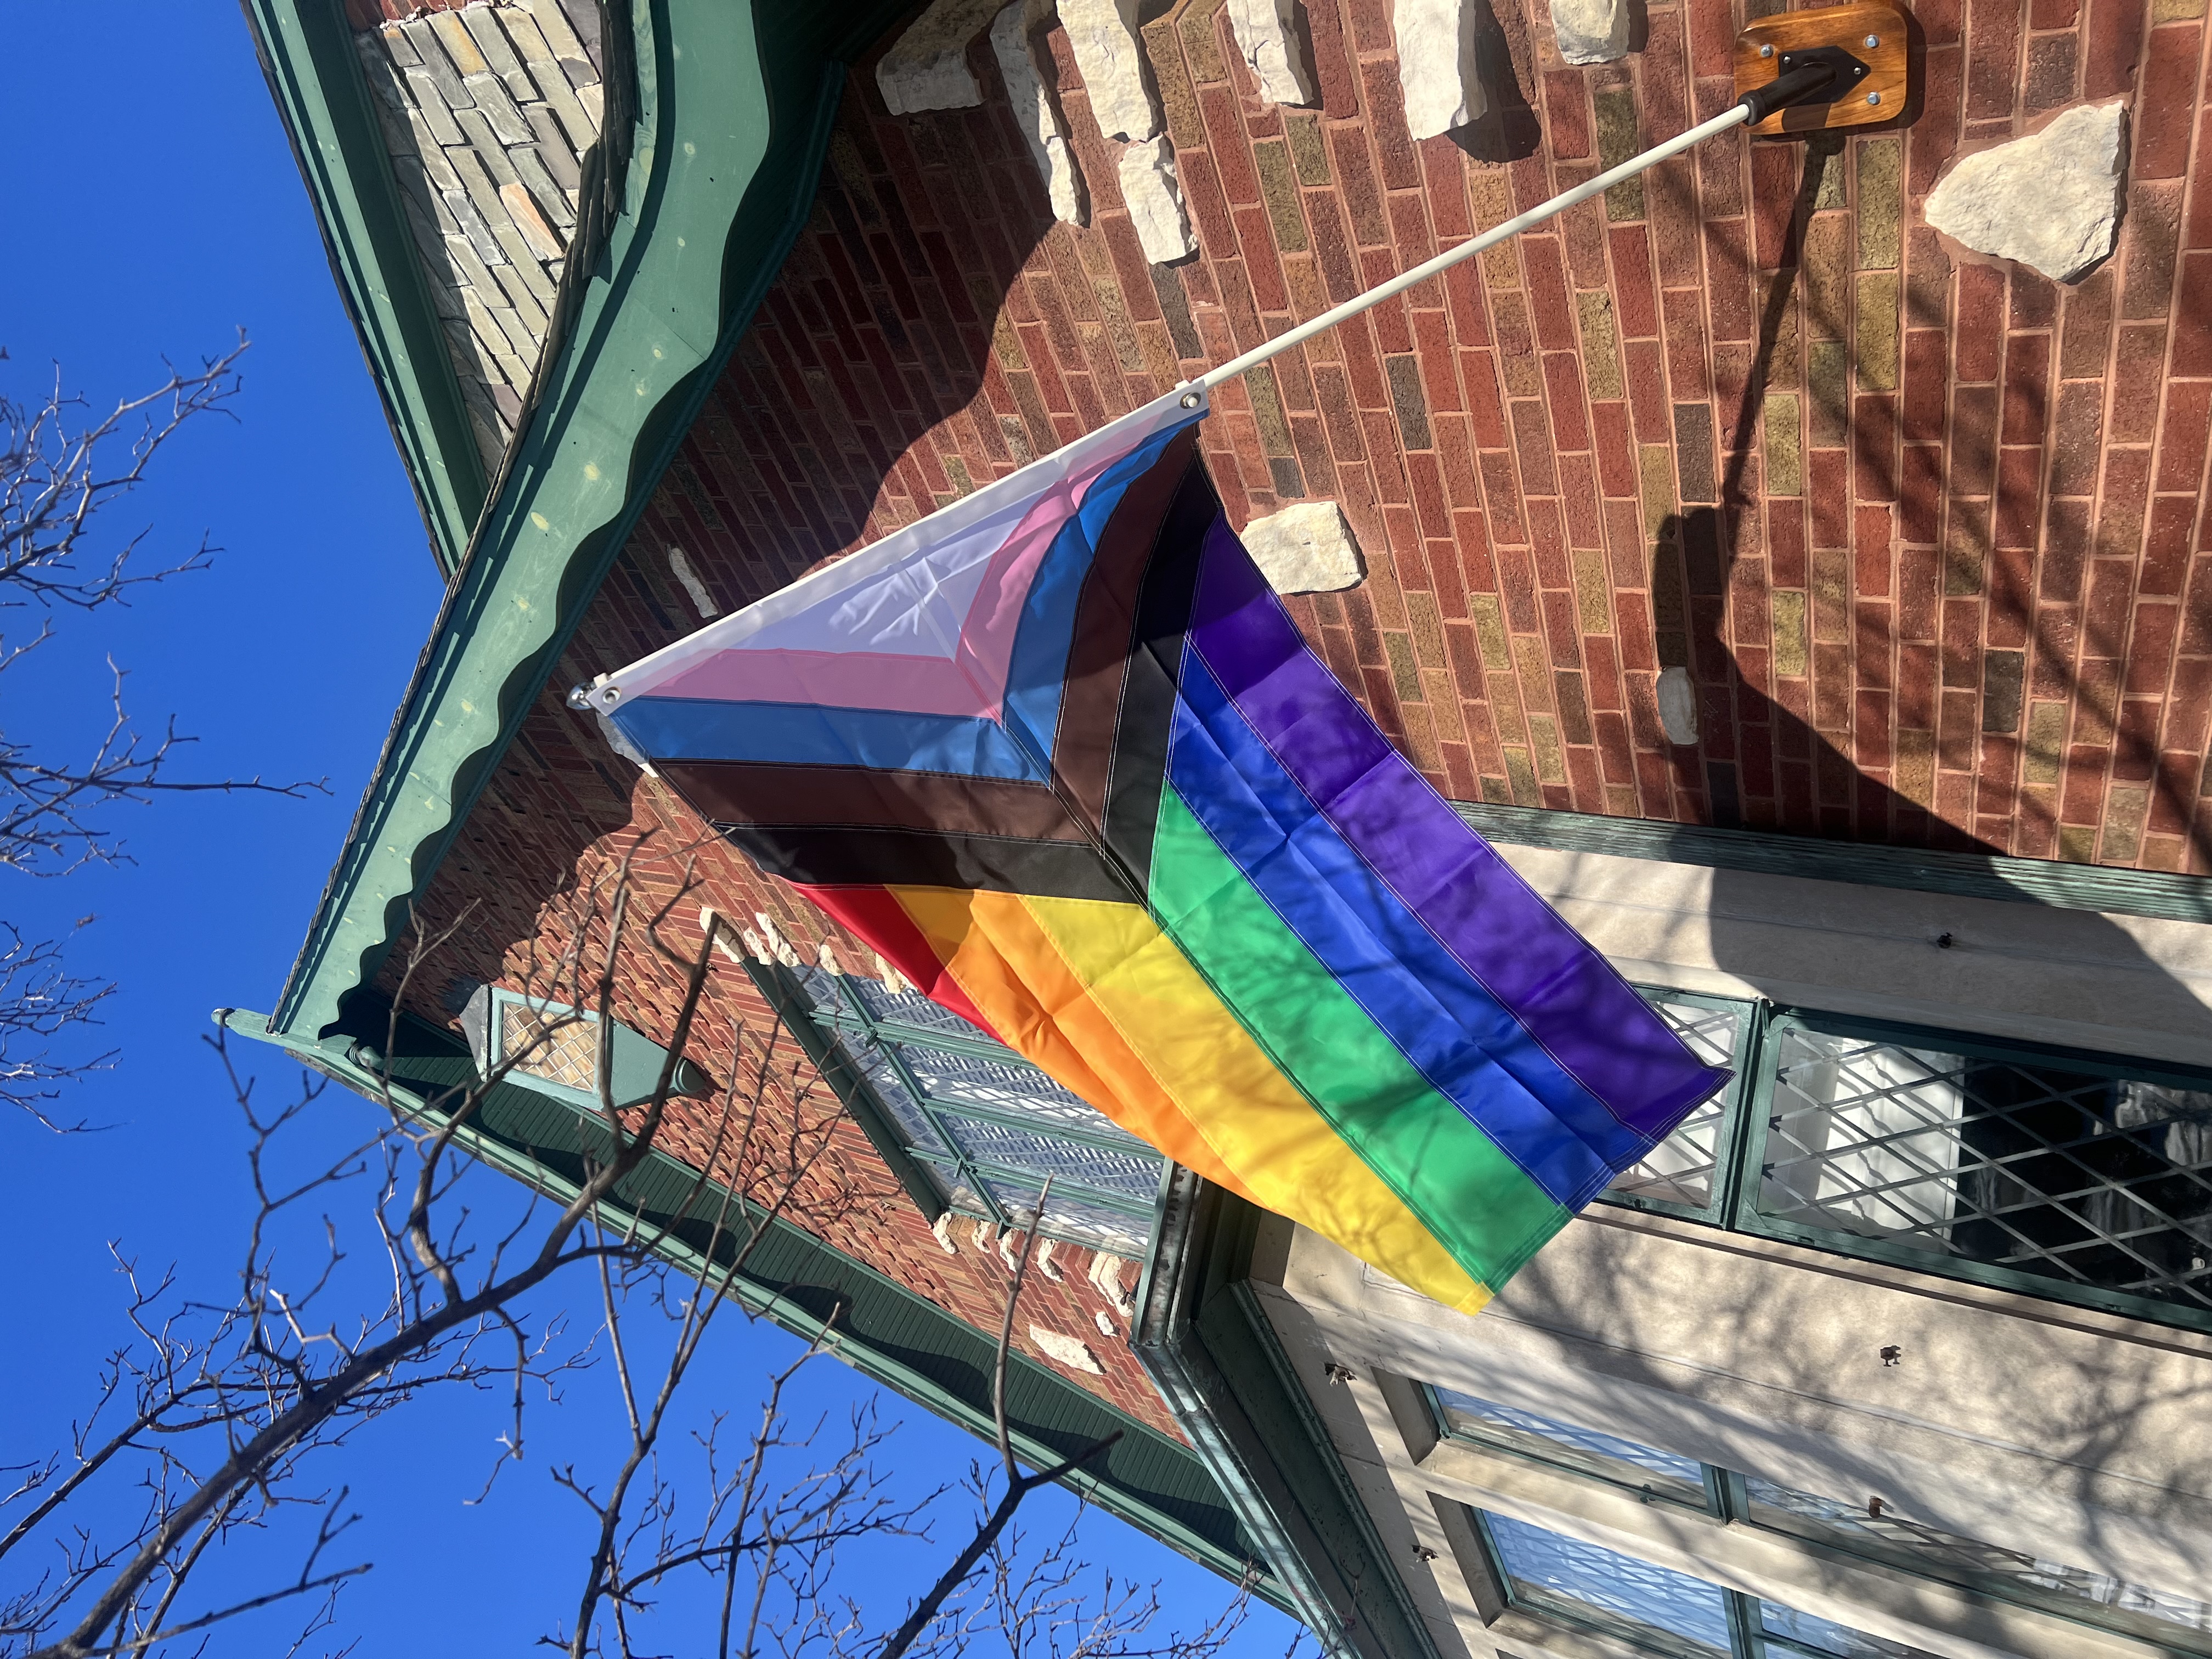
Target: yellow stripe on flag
[{"x": 1094, "y": 995}]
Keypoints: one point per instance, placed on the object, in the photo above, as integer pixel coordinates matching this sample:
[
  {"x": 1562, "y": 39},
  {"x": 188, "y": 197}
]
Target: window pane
[
  {"x": 823, "y": 990},
  {"x": 1789, "y": 1631},
  {"x": 1680, "y": 1169},
  {"x": 2072, "y": 1592},
  {"x": 552, "y": 1043},
  {"x": 867, "y": 1058},
  {"x": 1655, "y": 1608},
  {"x": 1584, "y": 1451},
  {"x": 2065, "y": 1175},
  {"x": 1010, "y": 1085},
  {"x": 910, "y": 1008},
  {"x": 1093, "y": 1225},
  {"x": 1135, "y": 1176}
]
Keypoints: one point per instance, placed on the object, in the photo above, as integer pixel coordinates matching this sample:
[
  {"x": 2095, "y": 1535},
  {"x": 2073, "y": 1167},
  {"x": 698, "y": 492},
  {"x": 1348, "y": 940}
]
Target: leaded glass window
[
  {"x": 1565, "y": 1446},
  {"x": 1875, "y": 1529},
  {"x": 1659, "y": 1609},
  {"x": 2082, "y": 1177},
  {"x": 1871, "y": 1528},
  {"x": 556, "y": 1045},
  {"x": 2066, "y": 1171},
  {"x": 984, "y": 1125},
  {"x": 1683, "y": 1173}
]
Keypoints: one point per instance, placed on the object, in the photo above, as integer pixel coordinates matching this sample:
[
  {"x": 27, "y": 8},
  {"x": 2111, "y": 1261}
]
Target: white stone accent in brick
[
  {"x": 724, "y": 934},
  {"x": 1306, "y": 549},
  {"x": 774, "y": 940},
  {"x": 1068, "y": 1351},
  {"x": 1267, "y": 33},
  {"x": 1154, "y": 197},
  {"x": 2051, "y": 200},
  {"x": 1678, "y": 705},
  {"x": 1014, "y": 43},
  {"x": 942, "y": 1231},
  {"x": 1110, "y": 55},
  {"x": 926, "y": 67},
  {"x": 1437, "y": 64},
  {"x": 1105, "y": 1277},
  {"x": 1591, "y": 31},
  {"x": 701, "y": 601}
]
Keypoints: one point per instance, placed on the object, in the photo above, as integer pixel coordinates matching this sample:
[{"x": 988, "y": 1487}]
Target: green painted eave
[
  {"x": 734, "y": 103},
  {"x": 875, "y": 1324},
  {"x": 306, "y": 53}
]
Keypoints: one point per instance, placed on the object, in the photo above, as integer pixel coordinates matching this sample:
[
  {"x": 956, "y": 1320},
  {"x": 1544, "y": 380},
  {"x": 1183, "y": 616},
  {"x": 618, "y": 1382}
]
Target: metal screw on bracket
[
  {"x": 1872, "y": 40},
  {"x": 1874, "y": 98},
  {"x": 1766, "y": 52}
]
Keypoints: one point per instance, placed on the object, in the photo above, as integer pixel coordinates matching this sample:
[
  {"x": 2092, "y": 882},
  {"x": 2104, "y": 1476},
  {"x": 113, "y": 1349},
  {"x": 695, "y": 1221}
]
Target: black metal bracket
[
  {"x": 1808, "y": 75},
  {"x": 1848, "y": 71}
]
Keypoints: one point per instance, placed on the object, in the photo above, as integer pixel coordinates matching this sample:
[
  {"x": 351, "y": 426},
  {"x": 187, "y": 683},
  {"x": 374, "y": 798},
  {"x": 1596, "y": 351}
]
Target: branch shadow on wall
[{"x": 2071, "y": 1167}]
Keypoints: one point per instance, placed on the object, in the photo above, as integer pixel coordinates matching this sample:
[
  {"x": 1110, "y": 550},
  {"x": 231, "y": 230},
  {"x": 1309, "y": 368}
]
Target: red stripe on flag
[{"x": 876, "y": 917}]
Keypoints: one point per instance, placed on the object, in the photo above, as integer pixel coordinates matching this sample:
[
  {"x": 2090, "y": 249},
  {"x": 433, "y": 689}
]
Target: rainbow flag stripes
[{"x": 1059, "y": 753}]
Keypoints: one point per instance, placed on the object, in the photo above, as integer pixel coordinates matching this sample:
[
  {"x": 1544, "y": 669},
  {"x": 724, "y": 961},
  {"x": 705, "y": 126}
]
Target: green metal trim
[
  {"x": 1728, "y": 1139},
  {"x": 732, "y": 130},
  {"x": 885, "y": 1331},
  {"x": 636, "y": 1061},
  {"x": 1745, "y": 1217},
  {"x": 1965, "y": 875},
  {"x": 1201, "y": 1335},
  {"x": 968, "y": 1168},
  {"x": 773, "y": 983},
  {"x": 307, "y": 57}
]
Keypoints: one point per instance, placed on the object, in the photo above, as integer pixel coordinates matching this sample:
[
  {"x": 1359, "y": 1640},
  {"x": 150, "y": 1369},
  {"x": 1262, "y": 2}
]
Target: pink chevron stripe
[{"x": 972, "y": 682}]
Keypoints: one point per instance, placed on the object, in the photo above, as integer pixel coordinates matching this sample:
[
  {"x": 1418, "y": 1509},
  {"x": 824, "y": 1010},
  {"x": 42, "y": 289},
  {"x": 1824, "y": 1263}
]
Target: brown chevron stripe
[
  {"x": 852, "y": 826},
  {"x": 1149, "y": 692},
  {"x": 767, "y": 793},
  {"x": 1105, "y": 623},
  {"x": 836, "y": 855}
]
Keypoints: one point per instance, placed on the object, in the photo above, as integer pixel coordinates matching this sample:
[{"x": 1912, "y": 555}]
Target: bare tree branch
[
  {"x": 1018, "y": 1486},
  {"x": 60, "y": 468}
]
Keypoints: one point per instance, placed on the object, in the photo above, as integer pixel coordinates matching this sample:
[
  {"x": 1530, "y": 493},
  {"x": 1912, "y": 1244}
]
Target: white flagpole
[{"x": 1735, "y": 115}]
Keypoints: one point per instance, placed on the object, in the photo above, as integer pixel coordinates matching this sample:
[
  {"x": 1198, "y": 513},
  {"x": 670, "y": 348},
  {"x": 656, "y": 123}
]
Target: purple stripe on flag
[{"x": 1567, "y": 995}]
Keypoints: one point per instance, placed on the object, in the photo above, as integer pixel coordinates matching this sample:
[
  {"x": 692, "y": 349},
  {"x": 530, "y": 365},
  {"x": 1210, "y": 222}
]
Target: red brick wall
[
  {"x": 556, "y": 808},
  {"x": 1945, "y": 595},
  {"x": 1927, "y": 531}
]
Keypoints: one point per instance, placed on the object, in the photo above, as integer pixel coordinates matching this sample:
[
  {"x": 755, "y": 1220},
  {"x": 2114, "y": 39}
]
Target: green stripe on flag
[{"x": 1466, "y": 1191}]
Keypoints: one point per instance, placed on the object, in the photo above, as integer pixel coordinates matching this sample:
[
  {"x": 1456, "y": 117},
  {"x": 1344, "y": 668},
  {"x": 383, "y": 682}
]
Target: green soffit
[{"x": 734, "y": 101}]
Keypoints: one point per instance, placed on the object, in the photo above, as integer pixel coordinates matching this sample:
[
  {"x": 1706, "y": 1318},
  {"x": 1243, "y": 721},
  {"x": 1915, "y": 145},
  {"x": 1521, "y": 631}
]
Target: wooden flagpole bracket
[{"x": 1869, "y": 45}]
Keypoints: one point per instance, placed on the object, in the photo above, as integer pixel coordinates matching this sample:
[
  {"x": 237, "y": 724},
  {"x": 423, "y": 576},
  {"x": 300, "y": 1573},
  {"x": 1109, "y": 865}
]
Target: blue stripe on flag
[
  {"x": 1448, "y": 1025},
  {"x": 1038, "y": 676}
]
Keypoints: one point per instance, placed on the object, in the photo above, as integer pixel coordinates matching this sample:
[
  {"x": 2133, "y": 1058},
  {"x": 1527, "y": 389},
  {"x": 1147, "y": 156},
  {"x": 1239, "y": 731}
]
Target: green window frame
[
  {"x": 1562, "y": 1580},
  {"x": 974, "y": 1124},
  {"x": 2052, "y": 1172},
  {"x": 1872, "y": 1531},
  {"x": 562, "y": 1056}
]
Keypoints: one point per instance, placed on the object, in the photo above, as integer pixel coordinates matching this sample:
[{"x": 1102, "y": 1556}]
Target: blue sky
[{"x": 159, "y": 211}]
